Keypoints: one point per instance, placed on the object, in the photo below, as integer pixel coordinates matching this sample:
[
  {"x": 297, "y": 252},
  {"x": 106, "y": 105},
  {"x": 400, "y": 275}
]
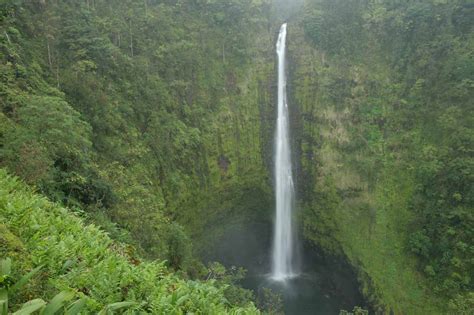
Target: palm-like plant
[
  {"x": 63, "y": 303},
  {"x": 8, "y": 287}
]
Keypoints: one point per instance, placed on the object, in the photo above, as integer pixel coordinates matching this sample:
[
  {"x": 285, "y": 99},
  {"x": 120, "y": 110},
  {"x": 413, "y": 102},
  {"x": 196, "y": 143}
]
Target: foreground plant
[{"x": 63, "y": 303}]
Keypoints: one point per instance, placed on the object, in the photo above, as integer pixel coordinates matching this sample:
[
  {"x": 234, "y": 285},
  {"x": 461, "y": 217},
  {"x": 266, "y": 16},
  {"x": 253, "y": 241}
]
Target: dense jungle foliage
[
  {"x": 148, "y": 126},
  {"x": 385, "y": 99},
  {"x": 86, "y": 264},
  {"x": 136, "y": 112},
  {"x": 141, "y": 116}
]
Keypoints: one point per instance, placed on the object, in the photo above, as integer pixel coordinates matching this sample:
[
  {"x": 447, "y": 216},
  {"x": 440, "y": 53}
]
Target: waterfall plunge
[{"x": 283, "y": 246}]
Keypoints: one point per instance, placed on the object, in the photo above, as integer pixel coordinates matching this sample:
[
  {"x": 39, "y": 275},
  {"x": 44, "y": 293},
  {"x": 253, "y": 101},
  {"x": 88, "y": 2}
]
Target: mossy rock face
[{"x": 10, "y": 245}]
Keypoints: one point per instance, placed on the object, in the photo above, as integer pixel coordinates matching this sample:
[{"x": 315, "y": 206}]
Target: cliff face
[
  {"x": 344, "y": 209},
  {"x": 371, "y": 99}
]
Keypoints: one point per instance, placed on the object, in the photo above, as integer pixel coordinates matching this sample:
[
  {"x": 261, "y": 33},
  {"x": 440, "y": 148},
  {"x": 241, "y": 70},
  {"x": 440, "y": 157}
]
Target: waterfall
[{"x": 283, "y": 246}]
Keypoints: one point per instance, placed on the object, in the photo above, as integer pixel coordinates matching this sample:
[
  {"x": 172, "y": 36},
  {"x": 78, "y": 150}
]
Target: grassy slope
[{"x": 83, "y": 258}]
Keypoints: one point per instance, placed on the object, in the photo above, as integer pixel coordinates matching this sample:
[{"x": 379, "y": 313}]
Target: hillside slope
[
  {"x": 141, "y": 113},
  {"x": 82, "y": 258}
]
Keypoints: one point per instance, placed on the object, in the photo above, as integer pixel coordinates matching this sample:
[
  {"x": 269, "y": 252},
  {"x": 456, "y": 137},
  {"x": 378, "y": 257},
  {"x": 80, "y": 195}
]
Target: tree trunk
[
  {"x": 131, "y": 37},
  {"x": 49, "y": 55}
]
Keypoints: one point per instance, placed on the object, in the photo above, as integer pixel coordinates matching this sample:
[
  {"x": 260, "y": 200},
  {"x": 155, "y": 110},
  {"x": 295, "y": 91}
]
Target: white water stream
[{"x": 283, "y": 244}]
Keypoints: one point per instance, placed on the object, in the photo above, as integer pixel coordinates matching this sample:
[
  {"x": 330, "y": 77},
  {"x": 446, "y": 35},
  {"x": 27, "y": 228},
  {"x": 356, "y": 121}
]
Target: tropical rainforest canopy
[{"x": 134, "y": 134}]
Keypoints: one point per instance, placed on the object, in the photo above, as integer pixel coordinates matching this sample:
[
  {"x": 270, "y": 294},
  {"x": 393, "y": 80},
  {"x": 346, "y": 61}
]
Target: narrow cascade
[{"x": 283, "y": 246}]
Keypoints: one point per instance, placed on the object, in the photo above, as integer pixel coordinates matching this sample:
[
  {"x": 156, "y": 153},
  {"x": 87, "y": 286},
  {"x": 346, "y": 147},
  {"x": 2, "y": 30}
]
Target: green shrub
[{"x": 83, "y": 259}]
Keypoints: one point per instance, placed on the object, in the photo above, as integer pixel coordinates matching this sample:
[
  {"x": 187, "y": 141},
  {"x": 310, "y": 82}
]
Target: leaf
[
  {"x": 182, "y": 299},
  {"x": 116, "y": 306},
  {"x": 174, "y": 297},
  {"x": 3, "y": 307},
  {"x": 3, "y": 294},
  {"x": 68, "y": 264},
  {"x": 30, "y": 307},
  {"x": 24, "y": 280},
  {"x": 76, "y": 307},
  {"x": 58, "y": 302},
  {"x": 5, "y": 266}
]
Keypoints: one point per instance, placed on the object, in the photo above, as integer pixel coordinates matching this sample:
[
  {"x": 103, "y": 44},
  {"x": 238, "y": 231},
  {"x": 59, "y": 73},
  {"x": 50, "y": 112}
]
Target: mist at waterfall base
[{"x": 325, "y": 286}]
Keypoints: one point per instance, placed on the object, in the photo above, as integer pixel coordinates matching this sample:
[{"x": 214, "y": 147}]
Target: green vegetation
[
  {"x": 83, "y": 261},
  {"x": 138, "y": 112},
  {"x": 148, "y": 126},
  {"x": 357, "y": 311},
  {"x": 384, "y": 90}
]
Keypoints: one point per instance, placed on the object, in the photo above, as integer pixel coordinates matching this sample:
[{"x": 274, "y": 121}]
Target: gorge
[{"x": 150, "y": 149}]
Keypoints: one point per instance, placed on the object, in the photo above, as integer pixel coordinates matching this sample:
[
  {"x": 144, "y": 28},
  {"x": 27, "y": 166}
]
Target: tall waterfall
[{"x": 283, "y": 245}]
